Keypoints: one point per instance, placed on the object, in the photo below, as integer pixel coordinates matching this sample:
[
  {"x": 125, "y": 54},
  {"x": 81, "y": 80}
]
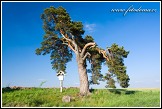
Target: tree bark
[
  {"x": 81, "y": 60},
  {"x": 84, "y": 84}
]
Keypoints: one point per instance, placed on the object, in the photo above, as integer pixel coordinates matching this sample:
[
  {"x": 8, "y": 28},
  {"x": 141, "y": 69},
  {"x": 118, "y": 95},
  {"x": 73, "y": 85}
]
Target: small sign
[{"x": 61, "y": 77}]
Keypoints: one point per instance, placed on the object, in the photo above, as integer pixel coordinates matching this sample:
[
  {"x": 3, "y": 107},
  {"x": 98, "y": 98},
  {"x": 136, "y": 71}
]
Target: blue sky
[{"x": 138, "y": 32}]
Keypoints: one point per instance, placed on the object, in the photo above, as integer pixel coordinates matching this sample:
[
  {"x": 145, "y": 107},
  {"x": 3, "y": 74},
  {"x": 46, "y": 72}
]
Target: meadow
[{"x": 52, "y": 97}]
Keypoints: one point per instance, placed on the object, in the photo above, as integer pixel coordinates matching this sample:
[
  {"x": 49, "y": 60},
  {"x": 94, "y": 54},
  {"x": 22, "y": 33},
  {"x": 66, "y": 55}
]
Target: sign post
[
  {"x": 60, "y": 75},
  {"x": 61, "y": 85}
]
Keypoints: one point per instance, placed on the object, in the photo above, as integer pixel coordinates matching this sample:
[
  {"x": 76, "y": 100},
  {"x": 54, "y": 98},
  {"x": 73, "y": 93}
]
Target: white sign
[{"x": 61, "y": 77}]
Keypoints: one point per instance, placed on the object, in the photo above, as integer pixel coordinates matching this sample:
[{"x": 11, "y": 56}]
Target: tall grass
[{"x": 51, "y": 97}]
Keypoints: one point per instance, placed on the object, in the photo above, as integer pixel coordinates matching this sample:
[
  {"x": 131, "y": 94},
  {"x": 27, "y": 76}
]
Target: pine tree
[{"x": 64, "y": 38}]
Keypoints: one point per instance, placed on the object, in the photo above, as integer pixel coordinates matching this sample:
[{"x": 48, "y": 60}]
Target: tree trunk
[{"x": 84, "y": 85}]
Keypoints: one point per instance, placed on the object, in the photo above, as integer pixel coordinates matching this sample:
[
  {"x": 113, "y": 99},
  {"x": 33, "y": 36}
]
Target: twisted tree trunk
[
  {"x": 84, "y": 84},
  {"x": 81, "y": 56}
]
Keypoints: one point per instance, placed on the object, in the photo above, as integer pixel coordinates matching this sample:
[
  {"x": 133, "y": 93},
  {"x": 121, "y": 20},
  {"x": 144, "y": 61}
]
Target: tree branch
[
  {"x": 70, "y": 46},
  {"x": 66, "y": 37},
  {"x": 86, "y": 55},
  {"x": 69, "y": 42},
  {"x": 85, "y": 47},
  {"x": 74, "y": 43},
  {"x": 103, "y": 52}
]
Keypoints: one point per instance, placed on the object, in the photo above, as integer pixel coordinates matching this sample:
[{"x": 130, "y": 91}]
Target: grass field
[{"x": 51, "y": 97}]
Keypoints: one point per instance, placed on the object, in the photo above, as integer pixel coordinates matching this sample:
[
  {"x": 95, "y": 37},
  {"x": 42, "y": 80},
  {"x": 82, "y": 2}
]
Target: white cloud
[{"x": 90, "y": 27}]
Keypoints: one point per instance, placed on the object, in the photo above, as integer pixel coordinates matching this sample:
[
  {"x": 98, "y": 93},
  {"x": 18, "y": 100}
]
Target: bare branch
[
  {"x": 72, "y": 36},
  {"x": 72, "y": 48},
  {"x": 65, "y": 43},
  {"x": 87, "y": 45},
  {"x": 92, "y": 46},
  {"x": 66, "y": 38},
  {"x": 103, "y": 52},
  {"x": 62, "y": 32},
  {"x": 69, "y": 42},
  {"x": 74, "y": 43},
  {"x": 87, "y": 54}
]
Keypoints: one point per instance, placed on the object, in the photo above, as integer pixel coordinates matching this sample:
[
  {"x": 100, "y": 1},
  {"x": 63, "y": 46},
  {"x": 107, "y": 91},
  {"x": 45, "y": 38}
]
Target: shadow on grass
[
  {"x": 11, "y": 89},
  {"x": 122, "y": 91},
  {"x": 8, "y": 89}
]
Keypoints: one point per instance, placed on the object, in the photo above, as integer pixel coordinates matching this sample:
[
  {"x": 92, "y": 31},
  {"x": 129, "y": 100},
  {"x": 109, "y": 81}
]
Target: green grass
[{"x": 50, "y": 97}]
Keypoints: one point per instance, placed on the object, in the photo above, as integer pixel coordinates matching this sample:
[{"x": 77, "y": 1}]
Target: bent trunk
[{"x": 84, "y": 85}]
